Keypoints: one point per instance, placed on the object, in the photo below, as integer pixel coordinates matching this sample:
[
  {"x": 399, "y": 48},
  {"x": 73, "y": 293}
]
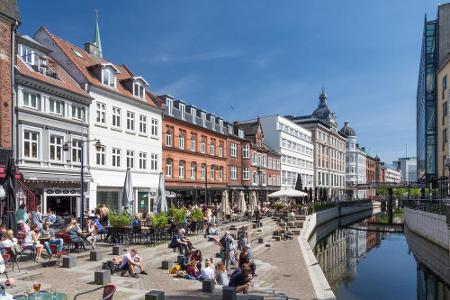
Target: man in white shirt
[
  {"x": 207, "y": 272},
  {"x": 129, "y": 262}
]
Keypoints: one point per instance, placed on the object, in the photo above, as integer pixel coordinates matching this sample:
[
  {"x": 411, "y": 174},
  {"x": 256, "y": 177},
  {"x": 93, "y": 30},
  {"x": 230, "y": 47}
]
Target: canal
[{"x": 364, "y": 260}]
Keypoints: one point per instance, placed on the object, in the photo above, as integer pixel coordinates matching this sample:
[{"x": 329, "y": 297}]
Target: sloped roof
[
  {"x": 10, "y": 9},
  {"x": 85, "y": 64}
]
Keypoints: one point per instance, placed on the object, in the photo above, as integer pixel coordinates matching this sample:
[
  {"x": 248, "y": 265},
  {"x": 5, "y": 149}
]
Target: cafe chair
[{"x": 108, "y": 292}]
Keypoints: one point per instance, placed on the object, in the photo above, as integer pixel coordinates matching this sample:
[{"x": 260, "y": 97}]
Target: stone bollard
[
  {"x": 117, "y": 250},
  {"x": 268, "y": 245},
  {"x": 102, "y": 277},
  {"x": 155, "y": 295},
  {"x": 255, "y": 226},
  {"x": 69, "y": 261},
  {"x": 229, "y": 293},
  {"x": 260, "y": 240},
  {"x": 254, "y": 297},
  {"x": 208, "y": 286},
  {"x": 277, "y": 238},
  {"x": 95, "y": 255},
  {"x": 180, "y": 259},
  {"x": 166, "y": 264}
]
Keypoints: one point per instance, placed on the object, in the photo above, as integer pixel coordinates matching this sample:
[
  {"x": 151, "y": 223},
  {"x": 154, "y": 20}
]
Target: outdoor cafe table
[{"x": 43, "y": 295}]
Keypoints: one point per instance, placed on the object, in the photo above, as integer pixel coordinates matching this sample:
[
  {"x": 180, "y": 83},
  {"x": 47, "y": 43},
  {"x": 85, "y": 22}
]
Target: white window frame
[
  {"x": 153, "y": 161},
  {"x": 181, "y": 140},
  {"x": 233, "y": 149},
  {"x": 116, "y": 117},
  {"x": 131, "y": 119},
  {"x": 53, "y": 105},
  {"x": 130, "y": 159},
  {"x": 203, "y": 119},
  {"x": 78, "y": 113},
  {"x": 76, "y": 151},
  {"x": 27, "y": 95},
  {"x": 245, "y": 174},
  {"x": 58, "y": 147},
  {"x": 100, "y": 113},
  {"x": 169, "y": 167},
  {"x": 108, "y": 77},
  {"x": 138, "y": 90},
  {"x": 212, "y": 172},
  {"x": 155, "y": 124},
  {"x": 194, "y": 115},
  {"x": 169, "y": 104},
  {"x": 181, "y": 169},
  {"x": 220, "y": 149},
  {"x": 213, "y": 123},
  {"x": 142, "y": 160},
  {"x": 37, "y": 142},
  {"x": 246, "y": 151},
  {"x": 233, "y": 173},
  {"x": 193, "y": 170},
  {"x": 182, "y": 111},
  {"x": 203, "y": 169},
  {"x": 203, "y": 141},
  {"x": 169, "y": 141},
  {"x": 116, "y": 155},
  {"x": 143, "y": 124},
  {"x": 193, "y": 142},
  {"x": 100, "y": 156}
]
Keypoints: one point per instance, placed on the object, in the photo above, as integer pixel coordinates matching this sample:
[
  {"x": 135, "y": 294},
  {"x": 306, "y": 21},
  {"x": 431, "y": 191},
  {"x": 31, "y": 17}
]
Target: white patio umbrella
[
  {"x": 287, "y": 193},
  {"x": 161, "y": 205},
  {"x": 253, "y": 202},
  {"x": 225, "y": 205},
  {"x": 242, "y": 206},
  {"x": 127, "y": 192}
]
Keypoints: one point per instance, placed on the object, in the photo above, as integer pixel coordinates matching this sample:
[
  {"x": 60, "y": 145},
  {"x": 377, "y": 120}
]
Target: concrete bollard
[
  {"x": 95, "y": 255},
  {"x": 229, "y": 293},
  {"x": 180, "y": 259},
  {"x": 260, "y": 240},
  {"x": 277, "y": 238},
  {"x": 117, "y": 250},
  {"x": 69, "y": 261},
  {"x": 255, "y": 226},
  {"x": 254, "y": 297},
  {"x": 155, "y": 295},
  {"x": 268, "y": 245},
  {"x": 208, "y": 286},
  {"x": 166, "y": 264},
  {"x": 102, "y": 277}
]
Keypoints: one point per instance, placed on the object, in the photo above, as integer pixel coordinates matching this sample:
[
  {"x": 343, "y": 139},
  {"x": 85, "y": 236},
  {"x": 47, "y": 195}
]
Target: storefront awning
[{"x": 53, "y": 177}]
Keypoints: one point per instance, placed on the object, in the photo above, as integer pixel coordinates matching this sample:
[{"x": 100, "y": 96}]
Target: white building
[
  {"x": 407, "y": 167},
  {"x": 391, "y": 175},
  {"x": 124, "y": 116},
  {"x": 356, "y": 163},
  {"x": 294, "y": 144}
]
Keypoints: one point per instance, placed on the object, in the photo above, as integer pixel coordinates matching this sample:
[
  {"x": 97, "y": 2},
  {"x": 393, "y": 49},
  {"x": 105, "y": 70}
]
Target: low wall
[{"x": 431, "y": 226}]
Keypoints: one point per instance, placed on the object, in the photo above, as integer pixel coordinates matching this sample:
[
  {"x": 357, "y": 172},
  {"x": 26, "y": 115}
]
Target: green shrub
[
  {"x": 197, "y": 214},
  {"x": 160, "y": 220},
  {"x": 178, "y": 215},
  {"x": 279, "y": 205},
  {"x": 119, "y": 219}
]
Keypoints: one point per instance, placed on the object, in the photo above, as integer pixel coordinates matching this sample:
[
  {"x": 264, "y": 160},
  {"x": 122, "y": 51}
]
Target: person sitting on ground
[
  {"x": 221, "y": 274},
  {"x": 21, "y": 214},
  {"x": 241, "y": 279},
  {"x": 36, "y": 217},
  {"x": 186, "y": 259},
  {"x": 49, "y": 233},
  {"x": 178, "y": 241},
  {"x": 9, "y": 240},
  {"x": 207, "y": 273},
  {"x": 188, "y": 241},
  {"x": 51, "y": 216},
  {"x": 130, "y": 261},
  {"x": 32, "y": 240},
  {"x": 192, "y": 270},
  {"x": 197, "y": 257},
  {"x": 212, "y": 234},
  {"x": 75, "y": 233}
]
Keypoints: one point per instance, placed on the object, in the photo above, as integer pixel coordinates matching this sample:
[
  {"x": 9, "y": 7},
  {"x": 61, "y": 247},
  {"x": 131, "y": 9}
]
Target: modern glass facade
[{"x": 426, "y": 103}]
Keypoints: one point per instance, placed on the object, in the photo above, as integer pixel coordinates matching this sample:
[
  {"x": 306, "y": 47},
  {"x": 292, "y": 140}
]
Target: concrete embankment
[{"x": 328, "y": 216}]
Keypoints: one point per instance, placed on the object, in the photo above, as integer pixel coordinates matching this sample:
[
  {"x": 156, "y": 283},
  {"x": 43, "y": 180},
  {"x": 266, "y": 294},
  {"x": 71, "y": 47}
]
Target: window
[
  {"x": 220, "y": 173},
  {"x": 203, "y": 119},
  {"x": 241, "y": 133},
  {"x": 56, "y": 144},
  {"x": 154, "y": 127},
  {"x": 116, "y": 153},
  {"x": 181, "y": 169},
  {"x": 181, "y": 140},
  {"x": 221, "y": 125},
  {"x": 30, "y": 144},
  {"x": 246, "y": 174},
  {"x": 108, "y": 77},
  {"x": 154, "y": 162},
  {"x": 254, "y": 178},
  {"x": 130, "y": 120},
  {"x": 138, "y": 90},
  {"x": 76, "y": 151},
  {"x": 444, "y": 86},
  {"x": 169, "y": 166},
  {"x": 193, "y": 142},
  {"x": 116, "y": 117},
  {"x": 56, "y": 107},
  {"x": 130, "y": 159},
  {"x": 142, "y": 160},
  {"x": 142, "y": 124},
  {"x": 203, "y": 145},
  {"x": 31, "y": 100},
  {"x": 101, "y": 112},
  {"x": 78, "y": 113},
  {"x": 444, "y": 133},
  {"x": 203, "y": 171},
  {"x": 220, "y": 149},
  {"x": 212, "y": 147},
  {"x": 183, "y": 111},
  {"x": 27, "y": 54},
  {"x": 213, "y": 172},
  {"x": 168, "y": 138},
  {"x": 169, "y": 104},
  {"x": 194, "y": 115},
  {"x": 100, "y": 156},
  {"x": 193, "y": 170},
  {"x": 254, "y": 159},
  {"x": 213, "y": 123},
  {"x": 233, "y": 173},
  {"x": 233, "y": 149},
  {"x": 246, "y": 151}
]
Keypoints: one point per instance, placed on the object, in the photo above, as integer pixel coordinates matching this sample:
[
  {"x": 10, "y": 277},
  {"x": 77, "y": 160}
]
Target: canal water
[{"x": 363, "y": 261}]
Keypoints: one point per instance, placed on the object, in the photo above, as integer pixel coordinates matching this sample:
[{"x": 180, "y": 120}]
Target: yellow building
[{"x": 442, "y": 120}]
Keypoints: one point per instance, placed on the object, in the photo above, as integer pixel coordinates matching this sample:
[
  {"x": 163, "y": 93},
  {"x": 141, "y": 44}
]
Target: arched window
[
  {"x": 193, "y": 170},
  {"x": 212, "y": 173},
  {"x": 169, "y": 167},
  {"x": 181, "y": 141},
  {"x": 203, "y": 171},
  {"x": 181, "y": 169},
  {"x": 169, "y": 138}
]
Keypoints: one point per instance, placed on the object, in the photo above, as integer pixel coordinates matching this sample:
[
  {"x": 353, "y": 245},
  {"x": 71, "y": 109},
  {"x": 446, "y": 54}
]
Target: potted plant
[{"x": 160, "y": 220}]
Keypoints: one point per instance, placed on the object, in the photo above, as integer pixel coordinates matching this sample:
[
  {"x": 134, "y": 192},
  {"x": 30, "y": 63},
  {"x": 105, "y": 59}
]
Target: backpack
[{"x": 110, "y": 265}]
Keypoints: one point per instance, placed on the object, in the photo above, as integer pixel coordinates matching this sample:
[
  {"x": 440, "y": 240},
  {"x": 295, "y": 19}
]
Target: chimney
[{"x": 91, "y": 49}]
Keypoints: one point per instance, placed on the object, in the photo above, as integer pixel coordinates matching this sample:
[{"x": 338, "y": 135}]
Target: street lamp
[
  {"x": 66, "y": 148},
  {"x": 447, "y": 164}
]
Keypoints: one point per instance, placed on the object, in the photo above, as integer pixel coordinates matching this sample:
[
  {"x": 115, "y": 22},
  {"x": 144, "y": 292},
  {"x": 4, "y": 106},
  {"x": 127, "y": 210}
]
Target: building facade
[
  {"x": 356, "y": 164},
  {"x": 194, "y": 152},
  {"x": 124, "y": 116},
  {"x": 9, "y": 21},
  {"x": 392, "y": 176},
  {"x": 408, "y": 168},
  {"x": 371, "y": 177},
  {"x": 329, "y": 150},
  {"x": 295, "y": 145},
  {"x": 51, "y": 111}
]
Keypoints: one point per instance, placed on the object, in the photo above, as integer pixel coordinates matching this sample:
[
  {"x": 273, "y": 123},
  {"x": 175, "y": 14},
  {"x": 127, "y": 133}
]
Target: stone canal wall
[
  {"x": 321, "y": 286},
  {"x": 431, "y": 226}
]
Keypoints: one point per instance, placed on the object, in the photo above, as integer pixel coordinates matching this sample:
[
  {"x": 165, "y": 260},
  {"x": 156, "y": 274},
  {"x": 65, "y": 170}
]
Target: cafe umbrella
[
  {"x": 127, "y": 192},
  {"x": 9, "y": 183},
  {"x": 162, "y": 201}
]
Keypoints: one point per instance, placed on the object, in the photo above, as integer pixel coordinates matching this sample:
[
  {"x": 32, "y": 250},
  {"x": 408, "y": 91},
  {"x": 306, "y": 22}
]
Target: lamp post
[
  {"x": 447, "y": 164},
  {"x": 206, "y": 176},
  {"x": 66, "y": 148}
]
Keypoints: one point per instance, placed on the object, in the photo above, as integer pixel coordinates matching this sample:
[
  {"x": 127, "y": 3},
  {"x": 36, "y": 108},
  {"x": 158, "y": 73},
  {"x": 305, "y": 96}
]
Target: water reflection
[{"x": 361, "y": 263}]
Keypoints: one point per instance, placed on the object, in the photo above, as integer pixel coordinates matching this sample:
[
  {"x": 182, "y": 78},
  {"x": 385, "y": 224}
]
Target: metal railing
[{"x": 432, "y": 206}]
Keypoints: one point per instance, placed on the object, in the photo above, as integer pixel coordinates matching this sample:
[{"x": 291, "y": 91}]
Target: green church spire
[{"x": 97, "y": 40}]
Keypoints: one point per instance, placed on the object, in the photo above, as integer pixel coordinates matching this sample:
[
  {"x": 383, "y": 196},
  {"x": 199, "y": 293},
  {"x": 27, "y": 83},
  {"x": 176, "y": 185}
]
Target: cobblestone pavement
[{"x": 277, "y": 274}]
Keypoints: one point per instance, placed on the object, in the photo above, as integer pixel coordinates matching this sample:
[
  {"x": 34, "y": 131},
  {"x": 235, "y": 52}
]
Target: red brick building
[
  {"x": 9, "y": 20},
  {"x": 371, "y": 171}
]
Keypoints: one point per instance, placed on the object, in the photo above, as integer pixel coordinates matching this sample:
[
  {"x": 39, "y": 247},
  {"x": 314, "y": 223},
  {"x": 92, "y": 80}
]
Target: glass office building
[{"x": 426, "y": 103}]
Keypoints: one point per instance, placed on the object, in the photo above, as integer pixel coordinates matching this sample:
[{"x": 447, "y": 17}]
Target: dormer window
[
  {"x": 230, "y": 129},
  {"x": 108, "y": 77},
  {"x": 194, "y": 115},
  {"x": 221, "y": 126},
  {"x": 204, "y": 119},
  {"x": 213, "y": 123},
  {"x": 241, "y": 133},
  {"x": 169, "y": 104},
  {"x": 183, "y": 111},
  {"x": 138, "y": 90}
]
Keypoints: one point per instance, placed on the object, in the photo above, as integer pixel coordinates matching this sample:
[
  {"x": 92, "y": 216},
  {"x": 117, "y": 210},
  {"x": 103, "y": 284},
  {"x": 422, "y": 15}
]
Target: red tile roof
[
  {"x": 85, "y": 64},
  {"x": 64, "y": 81}
]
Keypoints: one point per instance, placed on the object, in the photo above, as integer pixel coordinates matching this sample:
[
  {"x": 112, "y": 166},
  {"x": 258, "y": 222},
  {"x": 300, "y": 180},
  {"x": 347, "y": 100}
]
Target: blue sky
[{"x": 243, "y": 58}]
